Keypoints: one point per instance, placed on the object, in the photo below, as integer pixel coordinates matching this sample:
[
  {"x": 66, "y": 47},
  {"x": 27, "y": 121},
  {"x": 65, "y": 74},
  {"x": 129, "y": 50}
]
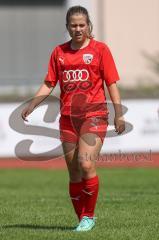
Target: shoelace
[{"x": 83, "y": 221}]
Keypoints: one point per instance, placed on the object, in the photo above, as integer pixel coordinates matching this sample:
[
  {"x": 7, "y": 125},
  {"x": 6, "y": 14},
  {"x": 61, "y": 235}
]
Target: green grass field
[{"x": 34, "y": 205}]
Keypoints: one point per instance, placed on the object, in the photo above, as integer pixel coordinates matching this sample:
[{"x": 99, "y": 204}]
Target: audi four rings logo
[
  {"x": 75, "y": 75},
  {"x": 78, "y": 75}
]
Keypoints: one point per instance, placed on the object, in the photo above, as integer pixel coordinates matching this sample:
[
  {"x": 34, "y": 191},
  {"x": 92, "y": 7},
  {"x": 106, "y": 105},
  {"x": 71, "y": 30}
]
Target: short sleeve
[
  {"x": 52, "y": 73},
  {"x": 108, "y": 68}
]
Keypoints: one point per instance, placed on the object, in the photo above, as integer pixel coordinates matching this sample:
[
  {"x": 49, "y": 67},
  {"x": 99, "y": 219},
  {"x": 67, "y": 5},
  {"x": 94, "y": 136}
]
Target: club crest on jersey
[{"x": 87, "y": 58}]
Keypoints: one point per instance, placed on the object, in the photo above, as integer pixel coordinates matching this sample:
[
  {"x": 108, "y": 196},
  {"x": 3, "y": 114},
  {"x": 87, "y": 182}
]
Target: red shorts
[{"x": 71, "y": 128}]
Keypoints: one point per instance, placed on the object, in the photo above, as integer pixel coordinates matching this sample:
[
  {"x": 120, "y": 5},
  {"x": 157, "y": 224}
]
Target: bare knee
[{"x": 86, "y": 164}]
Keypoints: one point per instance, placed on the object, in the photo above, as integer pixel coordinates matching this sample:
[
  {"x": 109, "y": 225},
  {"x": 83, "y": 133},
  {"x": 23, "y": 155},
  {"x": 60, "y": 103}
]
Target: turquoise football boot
[{"x": 86, "y": 224}]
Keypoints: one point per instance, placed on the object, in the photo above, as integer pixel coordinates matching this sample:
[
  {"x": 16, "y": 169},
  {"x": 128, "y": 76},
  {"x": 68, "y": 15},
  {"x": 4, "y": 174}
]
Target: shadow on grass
[{"x": 38, "y": 227}]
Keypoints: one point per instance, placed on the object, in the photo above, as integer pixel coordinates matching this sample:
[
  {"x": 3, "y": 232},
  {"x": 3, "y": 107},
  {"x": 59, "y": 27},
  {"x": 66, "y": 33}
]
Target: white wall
[{"x": 133, "y": 27}]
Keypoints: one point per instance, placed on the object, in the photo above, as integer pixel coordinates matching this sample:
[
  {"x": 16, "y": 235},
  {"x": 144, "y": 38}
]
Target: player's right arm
[
  {"x": 46, "y": 88},
  {"x": 43, "y": 92}
]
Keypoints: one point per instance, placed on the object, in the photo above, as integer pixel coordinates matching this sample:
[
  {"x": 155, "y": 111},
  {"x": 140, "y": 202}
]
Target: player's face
[{"x": 78, "y": 28}]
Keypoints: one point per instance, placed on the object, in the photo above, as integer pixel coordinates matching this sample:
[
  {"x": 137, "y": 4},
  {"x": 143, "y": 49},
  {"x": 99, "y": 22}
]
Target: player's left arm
[{"x": 119, "y": 122}]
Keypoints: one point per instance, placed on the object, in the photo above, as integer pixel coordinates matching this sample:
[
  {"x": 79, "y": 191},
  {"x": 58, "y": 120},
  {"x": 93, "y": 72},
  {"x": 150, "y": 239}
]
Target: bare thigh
[{"x": 88, "y": 151}]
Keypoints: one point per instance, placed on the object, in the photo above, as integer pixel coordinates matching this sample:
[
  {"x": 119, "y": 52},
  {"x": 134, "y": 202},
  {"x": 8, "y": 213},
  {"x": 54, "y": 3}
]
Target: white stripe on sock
[
  {"x": 89, "y": 193},
  {"x": 75, "y": 198}
]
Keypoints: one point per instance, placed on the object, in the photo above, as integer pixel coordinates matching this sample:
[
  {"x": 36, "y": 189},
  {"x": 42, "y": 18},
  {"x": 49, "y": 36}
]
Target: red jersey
[{"x": 81, "y": 74}]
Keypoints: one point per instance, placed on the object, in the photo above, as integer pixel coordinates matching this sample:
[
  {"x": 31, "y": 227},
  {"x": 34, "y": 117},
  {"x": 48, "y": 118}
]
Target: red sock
[
  {"x": 75, "y": 191},
  {"x": 90, "y": 194}
]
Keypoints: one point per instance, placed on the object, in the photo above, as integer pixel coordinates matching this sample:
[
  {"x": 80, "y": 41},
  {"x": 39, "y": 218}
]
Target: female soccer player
[{"x": 82, "y": 66}]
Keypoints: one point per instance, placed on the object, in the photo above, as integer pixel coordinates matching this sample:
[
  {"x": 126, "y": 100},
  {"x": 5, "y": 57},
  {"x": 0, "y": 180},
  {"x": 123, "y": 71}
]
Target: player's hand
[
  {"x": 119, "y": 124},
  {"x": 26, "y": 112}
]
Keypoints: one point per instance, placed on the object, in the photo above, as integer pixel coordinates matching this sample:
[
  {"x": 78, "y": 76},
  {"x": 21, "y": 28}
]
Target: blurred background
[{"x": 29, "y": 30}]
